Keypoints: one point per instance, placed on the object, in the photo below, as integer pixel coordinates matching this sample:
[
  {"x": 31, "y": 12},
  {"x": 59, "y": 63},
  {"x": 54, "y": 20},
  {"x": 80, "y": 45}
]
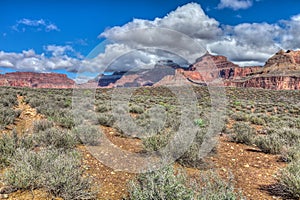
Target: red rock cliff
[
  {"x": 36, "y": 80},
  {"x": 281, "y": 72}
]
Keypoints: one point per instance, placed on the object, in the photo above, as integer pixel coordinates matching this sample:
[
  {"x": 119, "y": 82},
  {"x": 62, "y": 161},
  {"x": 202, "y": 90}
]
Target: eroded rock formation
[
  {"x": 280, "y": 72},
  {"x": 36, "y": 80}
]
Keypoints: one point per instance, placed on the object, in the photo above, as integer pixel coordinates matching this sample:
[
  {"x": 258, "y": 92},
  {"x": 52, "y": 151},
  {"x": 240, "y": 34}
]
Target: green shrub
[
  {"x": 160, "y": 185},
  {"x": 62, "y": 176},
  {"x": 8, "y": 145},
  {"x": 200, "y": 123},
  {"x": 243, "y": 133},
  {"x": 156, "y": 142},
  {"x": 42, "y": 125},
  {"x": 57, "y": 172},
  {"x": 136, "y": 109},
  {"x": 191, "y": 157},
  {"x": 106, "y": 120},
  {"x": 102, "y": 108},
  {"x": 88, "y": 134},
  {"x": 55, "y": 138},
  {"x": 164, "y": 184},
  {"x": 292, "y": 153},
  {"x": 272, "y": 144},
  {"x": 257, "y": 120},
  {"x": 7, "y": 116},
  {"x": 64, "y": 119},
  {"x": 214, "y": 188},
  {"x": 239, "y": 116},
  {"x": 290, "y": 179}
]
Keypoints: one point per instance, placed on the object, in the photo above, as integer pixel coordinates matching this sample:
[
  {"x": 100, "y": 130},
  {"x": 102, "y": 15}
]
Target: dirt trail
[
  {"x": 24, "y": 122},
  {"x": 252, "y": 169},
  {"x": 112, "y": 184}
]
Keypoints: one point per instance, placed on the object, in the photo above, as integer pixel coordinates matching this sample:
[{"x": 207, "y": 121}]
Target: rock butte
[
  {"x": 280, "y": 72},
  {"x": 36, "y": 80}
]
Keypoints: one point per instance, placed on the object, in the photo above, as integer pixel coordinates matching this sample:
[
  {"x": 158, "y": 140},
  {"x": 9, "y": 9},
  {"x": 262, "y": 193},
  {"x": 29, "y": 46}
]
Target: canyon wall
[{"x": 36, "y": 80}]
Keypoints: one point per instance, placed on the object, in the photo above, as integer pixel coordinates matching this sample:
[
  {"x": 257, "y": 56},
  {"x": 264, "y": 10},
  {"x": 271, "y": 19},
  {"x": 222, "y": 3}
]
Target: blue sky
[{"x": 53, "y": 35}]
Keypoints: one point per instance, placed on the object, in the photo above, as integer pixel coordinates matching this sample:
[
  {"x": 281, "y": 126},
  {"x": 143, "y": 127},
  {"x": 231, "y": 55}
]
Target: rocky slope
[
  {"x": 36, "y": 80},
  {"x": 280, "y": 72},
  {"x": 206, "y": 69}
]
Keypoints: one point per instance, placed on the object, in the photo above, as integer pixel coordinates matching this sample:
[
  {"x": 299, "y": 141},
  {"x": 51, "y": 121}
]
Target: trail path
[{"x": 252, "y": 169}]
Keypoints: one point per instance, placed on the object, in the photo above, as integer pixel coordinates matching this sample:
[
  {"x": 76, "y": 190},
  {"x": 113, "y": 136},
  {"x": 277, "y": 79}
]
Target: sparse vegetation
[
  {"x": 243, "y": 133},
  {"x": 57, "y": 172},
  {"x": 164, "y": 184},
  {"x": 47, "y": 158},
  {"x": 290, "y": 179}
]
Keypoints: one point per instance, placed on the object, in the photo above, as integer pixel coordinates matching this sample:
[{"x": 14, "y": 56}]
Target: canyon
[{"x": 280, "y": 72}]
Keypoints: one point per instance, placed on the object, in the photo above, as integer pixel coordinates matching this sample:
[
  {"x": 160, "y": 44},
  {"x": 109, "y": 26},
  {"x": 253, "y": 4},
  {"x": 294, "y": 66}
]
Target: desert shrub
[
  {"x": 55, "y": 138},
  {"x": 42, "y": 125},
  {"x": 35, "y": 101},
  {"x": 214, "y": 188},
  {"x": 258, "y": 120},
  {"x": 106, "y": 120},
  {"x": 63, "y": 176},
  {"x": 87, "y": 134},
  {"x": 8, "y": 145},
  {"x": 162, "y": 184},
  {"x": 136, "y": 109},
  {"x": 292, "y": 153},
  {"x": 156, "y": 142},
  {"x": 243, "y": 133},
  {"x": 272, "y": 144},
  {"x": 7, "y": 116},
  {"x": 191, "y": 157},
  {"x": 239, "y": 116},
  {"x": 57, "y": 172},
  {"x": 290, "y": 135},
  {"x": 64, "y": 119},
  {"x": 102, "y": 108},
  {"x": 200, "y": 122},
  {"x": 290, "y": 179},
  {"x": 25, "y": 171}
]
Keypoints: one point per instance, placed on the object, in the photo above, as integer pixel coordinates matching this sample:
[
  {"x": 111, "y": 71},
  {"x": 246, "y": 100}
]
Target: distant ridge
[{"x": 36, "y": 80}]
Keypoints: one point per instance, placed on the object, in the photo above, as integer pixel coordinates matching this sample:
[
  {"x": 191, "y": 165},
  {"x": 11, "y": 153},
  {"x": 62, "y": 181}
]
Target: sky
[{"x": 86, "y": 37}]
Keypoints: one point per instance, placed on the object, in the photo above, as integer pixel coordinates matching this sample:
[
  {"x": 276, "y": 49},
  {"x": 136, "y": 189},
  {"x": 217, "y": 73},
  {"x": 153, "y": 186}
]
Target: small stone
[
  {"x": 3, "y": 196},
  {"x": 246, "y": 165}
]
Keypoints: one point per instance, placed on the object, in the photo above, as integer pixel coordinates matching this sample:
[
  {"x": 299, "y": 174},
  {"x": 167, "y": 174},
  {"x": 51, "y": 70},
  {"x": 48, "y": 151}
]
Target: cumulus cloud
[
  {"x": 38, "y": 25},
  {"x": 30, "y": 61},
  {"x": 291, "y": 30},
  {"x": 58, "y": 50},
  {"x": 235, "y": 4},
  {"x": 245, "y": 44}
]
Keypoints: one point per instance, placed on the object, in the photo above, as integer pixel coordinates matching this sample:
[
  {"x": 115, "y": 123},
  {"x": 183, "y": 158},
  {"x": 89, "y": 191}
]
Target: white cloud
[
  {"x": 246, "y": 43},
  {"x": 57, "y": 50},
  {"x": 37, "y": 25},
  {"x": 189, "y": 19},
  {"x": 290, "y": 36},
  {"x": 30, "y": 61},
  {"x": 235, "y": 4}
]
